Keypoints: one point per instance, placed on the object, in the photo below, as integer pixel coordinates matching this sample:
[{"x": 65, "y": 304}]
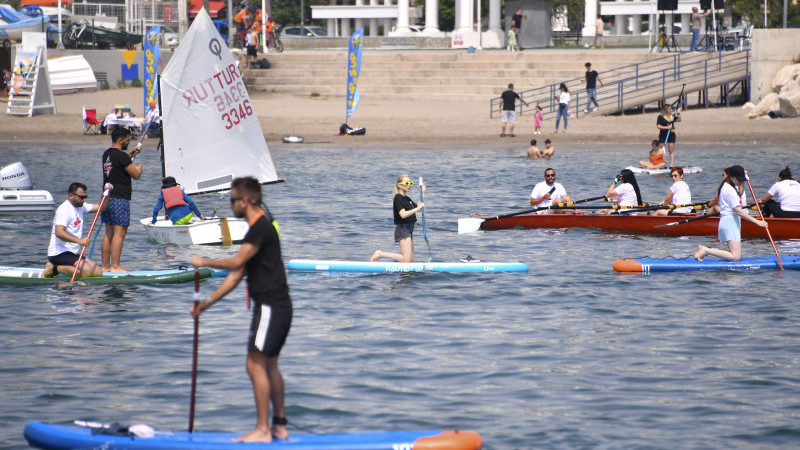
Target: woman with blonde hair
[
  {"x": 666, "y": 130},
  {"x": 404, "y": 218}
]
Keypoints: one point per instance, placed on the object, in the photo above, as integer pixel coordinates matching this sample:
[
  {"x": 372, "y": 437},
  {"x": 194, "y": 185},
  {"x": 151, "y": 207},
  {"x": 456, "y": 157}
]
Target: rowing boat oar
[
  {"x": 83, "y": 248},
  {"x": 761, "y": 215},
  {"x": 473, "y": 224},
  {"x": 695, "y": 206},
  {"x": 424, "y": 230},
  {"x": 687, "y": 220},
  {"x": 194, "y": 350}
]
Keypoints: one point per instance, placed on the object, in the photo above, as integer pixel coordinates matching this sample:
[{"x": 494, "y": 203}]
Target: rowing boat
[
  {"x": 30, "y": 275},
  {"x": 666, "y": 171},
  {"x": 57, "y": 437},
  {"x": 781, "y": 228},
  {"x": 645, "y": 265},
  {"x": 317, "y": 265}
]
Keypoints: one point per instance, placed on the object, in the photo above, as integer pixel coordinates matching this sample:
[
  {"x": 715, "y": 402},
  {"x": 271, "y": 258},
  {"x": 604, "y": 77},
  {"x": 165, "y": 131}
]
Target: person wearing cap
[
  {"x": 180, "y": 208},
  {"x": 731, "y": 200}
]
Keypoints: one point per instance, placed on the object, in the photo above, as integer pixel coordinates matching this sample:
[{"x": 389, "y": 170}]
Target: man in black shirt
[
  {"x": 591, "y": 78},
  {"x": 516, "y": 22},
  {"x": 507, "y": 109},
  {"x": 260, "y": 258}
]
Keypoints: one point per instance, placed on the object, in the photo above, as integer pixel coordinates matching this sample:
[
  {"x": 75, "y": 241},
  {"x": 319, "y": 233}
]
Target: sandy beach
[{"x": 418, "y": 124}]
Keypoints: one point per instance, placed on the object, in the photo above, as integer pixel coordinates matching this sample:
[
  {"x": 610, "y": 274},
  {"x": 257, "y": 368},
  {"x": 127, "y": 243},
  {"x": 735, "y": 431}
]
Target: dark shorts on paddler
[
  {"x": 63, "y": 259},
  {"x": 118, "y": 212},
  {"x": 403, "y": 230},
  {"x": 270, "y": 327}
]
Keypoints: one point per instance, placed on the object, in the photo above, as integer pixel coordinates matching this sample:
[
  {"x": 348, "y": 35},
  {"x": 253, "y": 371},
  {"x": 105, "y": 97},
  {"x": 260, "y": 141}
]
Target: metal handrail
[{"x": 624, "y": 85}]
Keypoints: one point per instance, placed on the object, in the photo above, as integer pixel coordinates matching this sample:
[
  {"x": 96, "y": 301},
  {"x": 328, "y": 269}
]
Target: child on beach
[
  {"x": 537, "y": 120},
  {"x": 512, "y": 39}
]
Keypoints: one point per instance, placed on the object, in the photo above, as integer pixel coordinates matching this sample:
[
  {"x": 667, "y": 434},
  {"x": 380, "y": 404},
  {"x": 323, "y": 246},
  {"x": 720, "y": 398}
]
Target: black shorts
[
  {"x": 670, "y": 139},
  {"x": 270, "y": 327},
  {"x": 251, "y": 50},
  {"x": 63, "y": 259},
  {"x": 403, "y": 230}
]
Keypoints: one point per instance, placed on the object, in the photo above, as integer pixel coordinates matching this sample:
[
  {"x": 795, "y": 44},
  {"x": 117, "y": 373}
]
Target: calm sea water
[{"x": 570, "y": 355}]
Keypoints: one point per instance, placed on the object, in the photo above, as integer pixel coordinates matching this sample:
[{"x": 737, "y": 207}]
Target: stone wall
[{"x": 772, "y": 49}]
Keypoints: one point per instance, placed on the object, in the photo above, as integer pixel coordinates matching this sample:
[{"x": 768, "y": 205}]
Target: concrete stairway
[{"x": 432, "y": 74}]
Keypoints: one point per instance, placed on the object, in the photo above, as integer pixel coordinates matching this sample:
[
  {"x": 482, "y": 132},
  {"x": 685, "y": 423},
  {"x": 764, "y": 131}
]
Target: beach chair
[{"x": 90, "y": 123}]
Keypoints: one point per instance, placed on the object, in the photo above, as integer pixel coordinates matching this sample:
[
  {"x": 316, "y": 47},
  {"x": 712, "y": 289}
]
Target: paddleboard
[
  {"x": 56, "y": 437},
  {"x": 293, "y": 139},
  {"x": 30, "y": 275},
  {"x": 317, "y": 265},
  {"x": 645, "y": 265},
  {"x": 639, "y": 170}
]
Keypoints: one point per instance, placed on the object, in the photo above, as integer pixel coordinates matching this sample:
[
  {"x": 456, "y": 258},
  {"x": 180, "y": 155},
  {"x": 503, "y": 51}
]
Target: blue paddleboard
[
  {"x": 645, "y": 265},
  {"x": 57, "y": 437}
]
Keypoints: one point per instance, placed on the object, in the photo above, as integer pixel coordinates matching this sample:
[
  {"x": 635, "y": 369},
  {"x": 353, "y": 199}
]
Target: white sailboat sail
[{"x": 211, "y": 132}]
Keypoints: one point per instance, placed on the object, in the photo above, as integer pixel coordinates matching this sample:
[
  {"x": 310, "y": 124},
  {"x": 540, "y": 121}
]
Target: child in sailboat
[
  {"x": 179, "y": 207},
  {"x": 404, "y": 218}
]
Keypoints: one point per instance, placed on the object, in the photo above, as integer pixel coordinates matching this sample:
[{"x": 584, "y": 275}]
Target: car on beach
[{"x": 304, "y": 32}]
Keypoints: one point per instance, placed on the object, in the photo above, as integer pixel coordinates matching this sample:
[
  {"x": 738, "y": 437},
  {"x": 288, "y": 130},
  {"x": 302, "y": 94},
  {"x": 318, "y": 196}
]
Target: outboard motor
[{"x": 15, "y": 176}]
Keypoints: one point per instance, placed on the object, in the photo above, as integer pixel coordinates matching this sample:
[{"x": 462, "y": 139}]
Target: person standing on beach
[
  {"x": 405, "y": 216},
  {"x": 508, "y": 109},
  {"x": 537, "y": 120},
  {"x": 563, "y": 98},
  {"x": 696, "y": 16},
  {"x": 252, "y": 45},
  {"x": 66, "y": 238},
  {"x": 598, "y": 32},
  {"x": 516, "y": 24},
  {"x": 118, "y": 169},
  {"x": 591, "y": 78},
  {"x": 260, "y": 258}
]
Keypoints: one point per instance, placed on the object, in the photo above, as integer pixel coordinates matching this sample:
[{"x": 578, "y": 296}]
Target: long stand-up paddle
[
  {"x": 194, "y": 350},
  {"x": 761, "y": 215},
  {"x": 473, "y": 224},
  {"x": 83, "y": 248},
  {"x": 424, "y": 230}
]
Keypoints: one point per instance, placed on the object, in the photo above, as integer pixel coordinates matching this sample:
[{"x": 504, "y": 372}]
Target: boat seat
[{"x": 90, "y": 123}]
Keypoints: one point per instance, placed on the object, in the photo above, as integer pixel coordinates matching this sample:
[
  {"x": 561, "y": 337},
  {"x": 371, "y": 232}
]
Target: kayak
[
  {"x": 644, "y": 265},
  {"x": 55, "y": 437},
  {"x": 318, "y": 265},
  {"x": 639, "y": 170},
  {"x": 29, "y": 275}
]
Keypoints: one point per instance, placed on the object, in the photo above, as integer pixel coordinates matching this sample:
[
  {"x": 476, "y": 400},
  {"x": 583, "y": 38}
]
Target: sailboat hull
[{"x": 201, "y": 232}]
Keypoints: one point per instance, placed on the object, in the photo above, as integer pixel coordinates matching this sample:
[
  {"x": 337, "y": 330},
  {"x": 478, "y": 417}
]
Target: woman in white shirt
[
  {"x": 786, "y": 194},
  {"x": 729, "y": 230},
  {"x": 627, "y": 193},
  {"x": 563, "y": 106},
  {"x": 679, "y": 194}
]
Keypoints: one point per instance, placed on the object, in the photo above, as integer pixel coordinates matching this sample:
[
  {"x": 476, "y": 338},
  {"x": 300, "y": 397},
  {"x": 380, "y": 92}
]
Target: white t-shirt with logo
[{"x": 71, "y": 218}]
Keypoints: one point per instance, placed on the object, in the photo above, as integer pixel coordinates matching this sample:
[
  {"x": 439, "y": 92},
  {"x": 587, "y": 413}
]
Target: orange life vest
[
  {"x": 173, "y": 196},
  {"x": 656, "y": 159}
]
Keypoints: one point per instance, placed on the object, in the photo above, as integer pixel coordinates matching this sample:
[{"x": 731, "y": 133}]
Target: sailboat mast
[{"x": 161, "y": 139}]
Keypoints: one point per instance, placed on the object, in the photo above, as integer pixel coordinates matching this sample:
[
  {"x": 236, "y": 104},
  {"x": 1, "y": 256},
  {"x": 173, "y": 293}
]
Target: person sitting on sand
[
  {"x": 179, "y": 207},
  {"x": 533, "y": 151},
  {"x": 65, "y": 238},
  {"x": 656, "y": 157},
  {"x": 404, "y": 218},
  {"x": 729, "y": 230}
]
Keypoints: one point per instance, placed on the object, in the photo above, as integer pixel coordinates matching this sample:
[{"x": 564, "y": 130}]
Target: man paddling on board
[
  {"x": 65, "y": 239},
  {"x": 259, "y": 257},
  {"x": 548, "y": 192}
]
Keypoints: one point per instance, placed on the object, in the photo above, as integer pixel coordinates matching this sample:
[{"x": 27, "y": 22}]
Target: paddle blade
[{"x": 469, "y": 225}]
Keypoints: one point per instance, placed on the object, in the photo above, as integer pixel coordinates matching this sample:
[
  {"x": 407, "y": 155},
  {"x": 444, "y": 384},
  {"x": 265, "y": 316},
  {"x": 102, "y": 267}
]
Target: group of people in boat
[{"x": 781, "y": 200}]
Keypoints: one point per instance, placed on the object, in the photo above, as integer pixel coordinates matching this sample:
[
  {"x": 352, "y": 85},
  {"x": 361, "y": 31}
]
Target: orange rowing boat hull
[{"x": 779, "y": 228}]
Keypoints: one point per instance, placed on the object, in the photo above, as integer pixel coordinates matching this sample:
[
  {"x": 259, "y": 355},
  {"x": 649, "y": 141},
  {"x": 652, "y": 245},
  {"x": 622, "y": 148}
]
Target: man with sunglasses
[
  {"x": 66, "y": 239},
  {"x": 260, "y": 258},
  {"x": 548, "y": 192}
]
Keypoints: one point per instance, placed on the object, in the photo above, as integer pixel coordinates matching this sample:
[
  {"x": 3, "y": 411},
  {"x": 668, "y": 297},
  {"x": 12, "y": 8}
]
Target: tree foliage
[{"x": 752, "y": 11}]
